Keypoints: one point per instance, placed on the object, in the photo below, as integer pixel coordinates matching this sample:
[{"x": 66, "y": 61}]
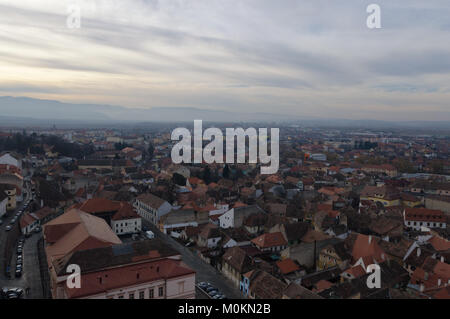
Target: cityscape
[{"x": 226, "y": 153}]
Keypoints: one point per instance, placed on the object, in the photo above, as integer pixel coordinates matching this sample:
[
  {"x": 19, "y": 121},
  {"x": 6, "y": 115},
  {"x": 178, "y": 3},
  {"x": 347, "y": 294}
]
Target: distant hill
[{"x": 28, "y": 111}]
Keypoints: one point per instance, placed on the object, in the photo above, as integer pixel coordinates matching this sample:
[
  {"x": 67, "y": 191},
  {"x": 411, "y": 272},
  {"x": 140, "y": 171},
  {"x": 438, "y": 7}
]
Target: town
[{"x": 112, "y": 203}]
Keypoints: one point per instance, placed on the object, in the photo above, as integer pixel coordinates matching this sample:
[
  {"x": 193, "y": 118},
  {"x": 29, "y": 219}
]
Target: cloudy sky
[{"x": 311, "y": 58}]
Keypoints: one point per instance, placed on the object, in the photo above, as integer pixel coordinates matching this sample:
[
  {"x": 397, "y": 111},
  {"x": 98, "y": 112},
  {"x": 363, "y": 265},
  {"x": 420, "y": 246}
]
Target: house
[
  {"x": 178, "y": 219},
  {"x": 366, "y": 251},
  {"x": 334, "y": 255},
  {"x": 387, "y": 195},
  {"x": 431, "y": 275},
  {"x": 151, "y": 207},
  {"x": 287, "y": 266},
  {"x": 209, "y": 236},
  {"x": 121, "y": 216},
  {"x": 146, "y": 269},
  {"x": 387, "y": 169},
  {"x": 296, "y": 291},
  {"x": 293, "y": 232},
  {"x": 10, "y": 191},
  {"x": 28, "y": 222},
  {"x": 270, "y": 242},
  {"x": 415, "y": 218},
  {"x": 72, "y": 231},
  {"x": 258, "y": 284},
  {"x": 3, "y": 203},
  {"x": 235, "y": 217},
  {"x": 235, "y": 263},
  {"x": 255, "y": 222},
  {"x": 235, "y": 237}
]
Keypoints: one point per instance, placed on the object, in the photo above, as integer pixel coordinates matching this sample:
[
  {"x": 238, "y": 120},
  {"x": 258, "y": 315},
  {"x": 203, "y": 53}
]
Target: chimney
[
  {"x": 370, "y": 239},
  {"x": 418, "y": 252}
]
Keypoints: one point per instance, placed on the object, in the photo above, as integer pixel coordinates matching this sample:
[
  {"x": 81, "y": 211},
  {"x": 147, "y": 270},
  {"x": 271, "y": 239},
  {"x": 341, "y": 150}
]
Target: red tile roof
[
  {"x": 121, "y": 277},
  {"x": 287, "y": 266},
  {"x": 270, "y": 240}
]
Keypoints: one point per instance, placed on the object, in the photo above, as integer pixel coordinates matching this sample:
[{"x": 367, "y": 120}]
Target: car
[
  {"x": 190, "y": 244},
  {"x": 12, "y": 295},
  {"x": 19, "y": 250},
  {"x": 212, "y": 293},
  {"x": 203, "y": 285},
  {"x": 12, "y": 221},
  {"x": 210, "y": 288},
  {"x": 8, "y": 228},
  {"x": 37, "y": 229},
  {"x": 18, "y": 273}
]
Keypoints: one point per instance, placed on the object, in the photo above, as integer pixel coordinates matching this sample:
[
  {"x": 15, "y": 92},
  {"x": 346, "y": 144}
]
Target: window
[
  {"x": 151, "y": 293},
  {"x": 141, "y": 294},
  {"x": 131, "y": 296},
  {"x": 160, "y": 291},
  {"x": 181, "y": 287},
  {"x": 120, "y": 297}
]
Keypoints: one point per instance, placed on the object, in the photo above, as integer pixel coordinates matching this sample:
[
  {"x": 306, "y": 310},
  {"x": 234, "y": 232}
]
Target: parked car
[
  {"x": 37, "y": 229},
  {"x": 212, "y": 293},
  {"x": 8, "y": 228},
  {"x": 203, "y": 285},
  {"x": 210, "y": 288},
  {"x": 18, "y": 273}
]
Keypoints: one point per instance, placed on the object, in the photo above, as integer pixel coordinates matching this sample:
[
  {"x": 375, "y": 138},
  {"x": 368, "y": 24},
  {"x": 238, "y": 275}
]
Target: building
[
  {"x": 151, "y": 207},
  {"x": 334, "y": 255},
  {"x": 258, "y": 284},
  {"x": 236, "y": 216},
  {"x": 235, "y": 263},
  {"x": 10, "y": 191},
  {"x": 415, "y": 218},
  {"x": 3, "y": 203},
  {"x": 139, "y": 270},
  {"x": 209, "y": 236},
  {"x": 72, "y": 231},
  {"x": 270, "y": 242},
  {"x": 121, "y": 216}
]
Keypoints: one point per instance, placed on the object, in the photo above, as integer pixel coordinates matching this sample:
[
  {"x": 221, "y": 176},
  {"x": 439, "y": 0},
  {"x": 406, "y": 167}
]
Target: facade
[
  {"x": 151, "y": 207},
  {"x": 121, "y": 216},
  {"x": 416, "y": 218},
  {"x": 139, "y": 270}
]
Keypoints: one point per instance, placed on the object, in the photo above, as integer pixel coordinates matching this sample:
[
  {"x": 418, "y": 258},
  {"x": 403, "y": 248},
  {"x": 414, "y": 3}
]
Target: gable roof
[
  {"x": 268, "y": 240},
  {"x": 151, "y": 200},
  {"x": 237, "y": 258}
]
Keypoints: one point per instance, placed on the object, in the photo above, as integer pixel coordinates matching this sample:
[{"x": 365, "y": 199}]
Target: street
[
  {"x": 204, "y": 271},
  {"x": 30, "y": 274}
]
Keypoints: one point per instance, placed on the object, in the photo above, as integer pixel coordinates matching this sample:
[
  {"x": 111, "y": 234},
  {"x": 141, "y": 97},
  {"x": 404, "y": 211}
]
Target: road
[
  {"x": 205, "y": 272},
  {"x": 30, "y": 274}
]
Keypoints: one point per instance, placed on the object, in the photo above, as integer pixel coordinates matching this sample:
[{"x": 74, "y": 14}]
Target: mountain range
[{"x": 17, "y": 111}]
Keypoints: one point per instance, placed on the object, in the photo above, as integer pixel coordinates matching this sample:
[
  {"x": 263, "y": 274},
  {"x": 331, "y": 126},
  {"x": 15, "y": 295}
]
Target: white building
[{"x": 151, "y": 207}]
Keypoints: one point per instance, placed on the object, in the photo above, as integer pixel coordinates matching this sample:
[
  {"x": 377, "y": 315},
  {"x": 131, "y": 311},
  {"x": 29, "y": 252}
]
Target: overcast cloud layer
[{"x": 312, "y": 58}]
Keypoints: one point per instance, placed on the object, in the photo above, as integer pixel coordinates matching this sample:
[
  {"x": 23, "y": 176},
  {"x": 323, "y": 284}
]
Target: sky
[{"x": 310, "y": 58}]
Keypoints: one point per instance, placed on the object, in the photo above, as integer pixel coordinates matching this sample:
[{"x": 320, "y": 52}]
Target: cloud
[{"x": 315, "y": 57}]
